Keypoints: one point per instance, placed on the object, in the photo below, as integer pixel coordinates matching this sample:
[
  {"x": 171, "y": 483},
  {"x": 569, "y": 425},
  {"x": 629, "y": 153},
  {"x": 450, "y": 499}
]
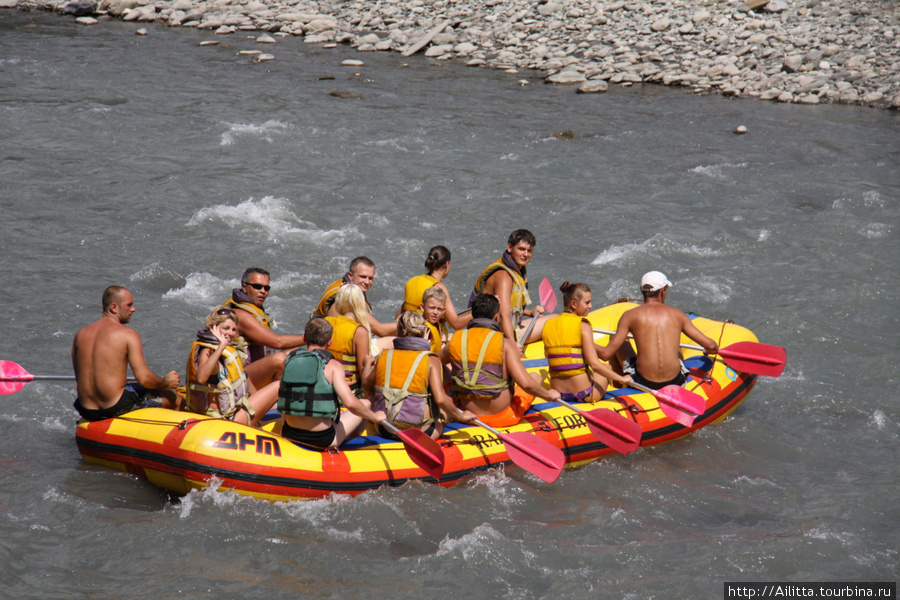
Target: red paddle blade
[
  {"x": 12, "y": 377},
  {"x": 537, "y": 456},
  {"x": 679, "y": 404},
  {"x": 615, "y": 431},
  {"x": 755, "y": 358},
  {"x": 548, "y": 296},
  {"x": 423, "y": 451}
]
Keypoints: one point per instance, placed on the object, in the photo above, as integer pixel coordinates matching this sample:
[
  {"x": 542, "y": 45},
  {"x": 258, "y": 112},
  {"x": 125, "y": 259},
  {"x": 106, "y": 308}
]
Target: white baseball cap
[{"x": 655, "y": 280}]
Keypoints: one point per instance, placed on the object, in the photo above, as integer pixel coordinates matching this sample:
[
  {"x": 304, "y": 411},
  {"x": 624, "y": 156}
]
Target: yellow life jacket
[
  {"x": 401, "y": 387},
  {"x": 476, "y": 356},
  {"x": 342, "y": 345},
  {"x": 233, "y": 388},
  {"x": 415, "y": 289},
  {"x": 327, "y": 299},
  {"x": 436, "y": 341},
  {"x": 562, "y": 345},
  {"x": 518, "y": 298}
]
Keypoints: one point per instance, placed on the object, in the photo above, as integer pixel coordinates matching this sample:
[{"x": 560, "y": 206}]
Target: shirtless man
[
  {"x": 506, "y": 279},
  {"x": 362, "y": 273},
  {"x": 312, "y": 416},
  {"x": 657, "y": 330},
  {"x": 264, "y": 363},
  {"x": 101, "y": 355},
  {"x": 484, "y": 365}
]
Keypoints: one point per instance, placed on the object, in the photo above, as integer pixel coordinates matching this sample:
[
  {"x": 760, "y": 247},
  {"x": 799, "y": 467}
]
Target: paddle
[
  {"x": 677, "y": 403},
  {"x": 13, "y": 377},
  {"x": 422, "y": 450},
  {"x": 747, "y": 357},
  {"x": 537, "y": 456},
  {"x": 621, "y": 434},
  {"x": 548, "y": 301}
]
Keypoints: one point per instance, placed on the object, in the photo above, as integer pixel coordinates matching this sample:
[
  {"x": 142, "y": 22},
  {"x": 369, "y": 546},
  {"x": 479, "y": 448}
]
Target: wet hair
[
  {"x": 318, "y": 332},
  {"x": 361, "y": 260},
  {"x": 436, "y": 293},
  {"x": 219, "y": 315},
  {"x": 246, "y": 276},
  {"x": 573, "y": 291},
  {"x": 485, "y": 306},
  {"x": 411, "y": 324},
  {"x": 351, "y": 300},
  {"x": 111, "y": 295},
  {"x": 437, "y": 258},
  {"x": 521, "y": 235}
]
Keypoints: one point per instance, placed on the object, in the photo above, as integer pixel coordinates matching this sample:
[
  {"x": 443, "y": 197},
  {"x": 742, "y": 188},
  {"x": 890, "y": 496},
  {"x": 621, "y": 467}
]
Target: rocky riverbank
[{"x": 802, "y": 51}]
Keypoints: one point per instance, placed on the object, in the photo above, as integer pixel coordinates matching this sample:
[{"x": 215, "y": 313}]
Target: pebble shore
[{"x": 799, "y": 51}]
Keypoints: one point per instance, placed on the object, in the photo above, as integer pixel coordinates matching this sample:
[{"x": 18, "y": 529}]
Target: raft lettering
[
  {"x": 479, "y": 440},
  {"x": 262, "y": 443},
  {"x": 570, "y": 421}
]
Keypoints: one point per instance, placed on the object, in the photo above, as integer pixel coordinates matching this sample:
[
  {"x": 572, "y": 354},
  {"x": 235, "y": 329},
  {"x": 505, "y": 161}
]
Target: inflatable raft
[{"x": 180, "y": 451}]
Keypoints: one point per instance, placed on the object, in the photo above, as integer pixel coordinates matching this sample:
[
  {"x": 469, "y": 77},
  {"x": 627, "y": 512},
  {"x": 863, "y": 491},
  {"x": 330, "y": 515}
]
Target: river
[{"x": 169, "y": 167}]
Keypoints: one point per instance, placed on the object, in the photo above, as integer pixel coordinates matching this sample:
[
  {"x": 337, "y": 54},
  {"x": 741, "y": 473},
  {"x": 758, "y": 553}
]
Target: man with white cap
[{"x": 657, "y": 330}]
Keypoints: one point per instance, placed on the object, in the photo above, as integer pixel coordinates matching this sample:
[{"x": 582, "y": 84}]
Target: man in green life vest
[{"x": 311, "y": 391}]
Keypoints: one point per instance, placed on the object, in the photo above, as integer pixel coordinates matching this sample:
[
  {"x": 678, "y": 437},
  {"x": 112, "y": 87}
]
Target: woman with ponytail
[
  {"x": 575, "y": 370},
  {"x": 437, "y": 266}
]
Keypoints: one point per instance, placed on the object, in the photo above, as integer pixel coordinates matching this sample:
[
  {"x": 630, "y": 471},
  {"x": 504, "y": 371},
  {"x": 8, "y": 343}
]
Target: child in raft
[
  {"x": 216, "y": 383},
  {"x": 408, "y": 384},
  {"x": 437, "y": 266},
  {"x": 575, "y": 370}
]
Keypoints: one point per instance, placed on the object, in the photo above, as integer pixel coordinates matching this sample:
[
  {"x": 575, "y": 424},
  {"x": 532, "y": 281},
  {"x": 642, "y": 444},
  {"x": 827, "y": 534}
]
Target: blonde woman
[
  {"x": 216, "y": 383},
  {"x": 575, "y": 370},
  {"x": 351, "y": 336}
]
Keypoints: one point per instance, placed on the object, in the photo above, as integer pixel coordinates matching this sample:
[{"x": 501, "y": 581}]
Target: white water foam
[
  {"x": 202, "y": 289},
  {"x": 264, "y": 131},
  {"x": 656, "y": 247},
  {"x": 719, "y": 172},
  {"x": 272, "y": 217}
]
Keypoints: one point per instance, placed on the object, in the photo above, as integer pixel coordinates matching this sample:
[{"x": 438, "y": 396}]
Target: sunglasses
[
  {"x": 259, "y": 286},
  {"x": 225, "y": 311}
]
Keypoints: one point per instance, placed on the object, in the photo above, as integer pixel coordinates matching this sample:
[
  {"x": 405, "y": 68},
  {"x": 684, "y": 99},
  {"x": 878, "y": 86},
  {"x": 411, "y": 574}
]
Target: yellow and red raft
[{"x": 180, "y": 451}]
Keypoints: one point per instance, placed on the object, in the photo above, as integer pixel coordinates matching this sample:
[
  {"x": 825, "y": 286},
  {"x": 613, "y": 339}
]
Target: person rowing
[
  {"x": 351, "y": 337},
  {"x": 101, "y": 355},
  {"x": 657, "y": 331},
  {"x": 485, "y": 365},
  {"x": 312, "y": 391},
  {"x": 575, "y": 370},
  {"x": 408, "y": 385}
]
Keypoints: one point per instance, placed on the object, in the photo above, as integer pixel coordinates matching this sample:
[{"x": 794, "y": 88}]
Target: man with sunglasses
[
  {"x": 265, "y": 362},
  {"x": 101, "y": 355}
]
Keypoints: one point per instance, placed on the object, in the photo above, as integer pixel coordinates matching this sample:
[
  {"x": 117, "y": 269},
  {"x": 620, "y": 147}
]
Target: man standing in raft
[
  {"x": 485, "y": 364},
  {"x": 311, "y": 391},
  {"x": 264, "y": 363},
  {"x": 506, "y": 279},
  {"x": 362, "y": 273},
  {"x": 101, "y": 355},
  {"x": 657, "y": 330}
]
